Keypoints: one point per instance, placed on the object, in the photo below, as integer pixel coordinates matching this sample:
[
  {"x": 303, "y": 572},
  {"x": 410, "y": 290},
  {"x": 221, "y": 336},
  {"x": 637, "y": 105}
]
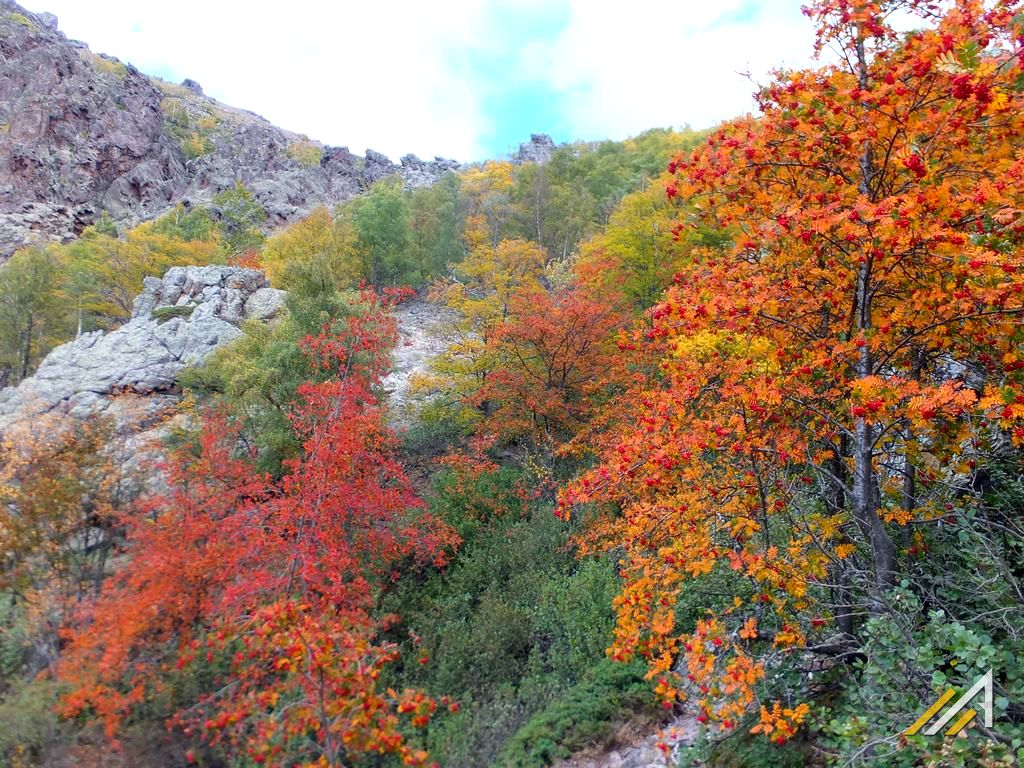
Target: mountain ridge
[{"x": 83, "y": 134}]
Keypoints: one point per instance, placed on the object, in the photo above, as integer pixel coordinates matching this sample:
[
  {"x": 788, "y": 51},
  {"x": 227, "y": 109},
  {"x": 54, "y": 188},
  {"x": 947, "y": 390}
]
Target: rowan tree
[
  {"x": 276, "y": 578},
  {"x": 827, "y": 378}
]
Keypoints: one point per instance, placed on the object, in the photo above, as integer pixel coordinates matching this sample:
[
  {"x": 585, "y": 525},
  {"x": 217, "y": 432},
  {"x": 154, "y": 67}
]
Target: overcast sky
[{"x": 466, "y": 79}]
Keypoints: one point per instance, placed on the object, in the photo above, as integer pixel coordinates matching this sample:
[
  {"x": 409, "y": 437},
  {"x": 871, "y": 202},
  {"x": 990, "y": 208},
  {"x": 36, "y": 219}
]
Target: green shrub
[
  {"x": 20, "y": 18},
  {"x": 175, "y": 112},
  {"x": 475, "y": 735},
  {"x": 748, "y": 751},
  {"x": 306, "y": 153},
  {"x": 163, "y": 314},
  {"x": 434, "y": 431},
  {"x": 105, "y": 65},
  {"x": 196, "y": 145},
  {"x": 29, "y": 725},
  {"x": 943, "y": 630},
  {"x": 514, "y": 625},
  {"x": 584, "y": 715}
]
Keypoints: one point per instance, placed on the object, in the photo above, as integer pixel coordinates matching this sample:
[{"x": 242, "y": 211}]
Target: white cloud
[
  {"x": 393, "y": 74},
  {"x": 626, "y": 67},
  {"x": 357, "y": 74}
]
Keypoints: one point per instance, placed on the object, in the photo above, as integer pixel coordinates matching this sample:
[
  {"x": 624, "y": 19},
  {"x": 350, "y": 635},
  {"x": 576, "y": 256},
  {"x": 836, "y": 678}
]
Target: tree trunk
[
  {"x": 26, "y": 346},
  {"x": 864, "y": 498}
]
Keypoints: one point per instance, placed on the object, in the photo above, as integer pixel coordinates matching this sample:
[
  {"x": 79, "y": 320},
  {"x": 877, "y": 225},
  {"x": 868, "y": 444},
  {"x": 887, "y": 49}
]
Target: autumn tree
[
  {"x": 481, "y": 293},
  {"x": 316, "y": 253},
  {"x": 637, "y": 252},
  {"x": 829, "y": 378},
  {"x": 278, "y": 578},
  {"x": 490, "y": 209},
  {"x": 554, "y": 357},
  {"x": 61, "y": 487},
  {"x": 105, "y": 272}
]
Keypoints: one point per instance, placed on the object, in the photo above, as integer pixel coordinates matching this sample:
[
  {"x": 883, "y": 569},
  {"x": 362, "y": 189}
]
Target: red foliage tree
[
  {"x": 554, "y": 354},
  {"x": 278, "y": 577}
]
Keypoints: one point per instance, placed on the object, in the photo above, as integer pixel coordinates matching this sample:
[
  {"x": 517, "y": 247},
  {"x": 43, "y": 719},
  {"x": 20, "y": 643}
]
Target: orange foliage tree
[
  {"x": 61, "y": 485},
  {"x": 826, "y": 379},
  {"x": 553, "y": 357},
  {"x": 271, "y": 586}
]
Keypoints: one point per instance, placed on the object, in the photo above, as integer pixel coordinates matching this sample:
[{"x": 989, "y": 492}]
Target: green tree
[
  {"x": 240, "y": 217},
  {"x": 33, "y": 312},
  {"x": 380, "y": 219},
  {"x": 435, "y": 228},
  {"x": 185, "y": 224}
]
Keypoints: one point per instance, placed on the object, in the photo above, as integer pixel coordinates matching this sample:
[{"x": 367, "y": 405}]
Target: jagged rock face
[
  {"x": 176, "y": 321},
  {"x": 81, "y": 134},
  {"x": 78, "y": 133}
]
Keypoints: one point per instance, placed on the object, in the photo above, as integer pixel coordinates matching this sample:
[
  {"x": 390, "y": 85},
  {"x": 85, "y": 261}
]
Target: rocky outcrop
[
  {"x": 79, "y": 133},
  {"x": 82, "y": 133},
  {"x": 537, "y": 150},
  {"x": 641, "y": 745},
  {"x": 176, "y": 322}
]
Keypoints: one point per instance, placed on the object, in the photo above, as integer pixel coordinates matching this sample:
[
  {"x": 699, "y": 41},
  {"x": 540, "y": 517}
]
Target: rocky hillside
[
  {"x": 82, "y": 133},
  {"x": 176, "y": 321},
  {"x": 130, "y": 375}
]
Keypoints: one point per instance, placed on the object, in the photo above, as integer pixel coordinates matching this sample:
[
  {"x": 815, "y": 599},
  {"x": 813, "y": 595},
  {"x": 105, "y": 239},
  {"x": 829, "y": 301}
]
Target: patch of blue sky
[{"x": 513, "y": 102}]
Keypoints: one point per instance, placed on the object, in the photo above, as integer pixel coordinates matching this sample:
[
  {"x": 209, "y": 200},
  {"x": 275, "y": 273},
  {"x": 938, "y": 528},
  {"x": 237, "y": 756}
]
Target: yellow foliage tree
[
  {"x": 637, "y": 253},
  {"x": 61, "y": 483},
  {"x": 480, "y": 293},
  {"x": 316, "y": 250},
  {"x": 107, "y": 271},
  {"x": 488, "y": 191}
]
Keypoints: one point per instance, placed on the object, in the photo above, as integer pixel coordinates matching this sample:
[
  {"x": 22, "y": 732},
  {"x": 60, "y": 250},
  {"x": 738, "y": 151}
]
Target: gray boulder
[{"x": 193, "y": 86}]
